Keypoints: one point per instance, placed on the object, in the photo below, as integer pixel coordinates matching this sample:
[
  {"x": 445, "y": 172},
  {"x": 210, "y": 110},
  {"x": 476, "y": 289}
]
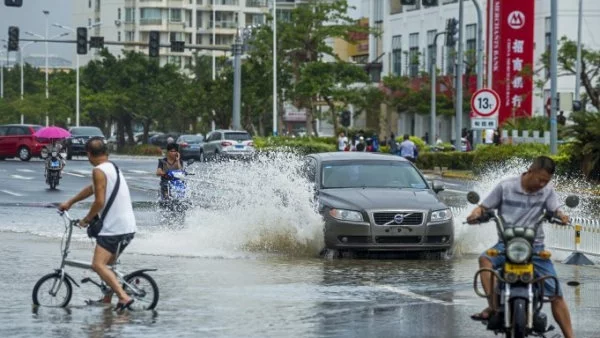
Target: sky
[{"x": 30, "y": 18}]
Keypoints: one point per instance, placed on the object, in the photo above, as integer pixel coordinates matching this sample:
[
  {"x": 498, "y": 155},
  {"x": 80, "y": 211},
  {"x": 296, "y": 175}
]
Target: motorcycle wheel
[
  {"x": 53, "y": 183},
  {"x": 519, "y": 319}
]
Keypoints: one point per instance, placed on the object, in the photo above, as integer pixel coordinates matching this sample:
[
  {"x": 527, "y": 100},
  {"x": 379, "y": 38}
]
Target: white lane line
[
  {"x": 11, "y": 193},
  {"x": 19, "y": 177},
  {"x": 83, "y": 172},
  {"x": 74, "y": 174},
  {"x": 139, "y": 171},
  {"x": 457, "y": 191},
  {"x": 26, "y": 170},
  {"x": 414, "y": 295}
]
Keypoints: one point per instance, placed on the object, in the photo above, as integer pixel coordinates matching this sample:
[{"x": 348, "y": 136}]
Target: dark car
[
  {"x": 161, "y": 139},
  {"x": 378, "y": 202},
  {"x": 190, "y": 146},
  {"x": 75, "y": 145},
  {"x": 17, "y": 140}
]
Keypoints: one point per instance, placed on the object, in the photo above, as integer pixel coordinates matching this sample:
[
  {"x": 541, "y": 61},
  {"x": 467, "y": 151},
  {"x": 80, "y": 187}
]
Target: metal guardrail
[{"x": 583, "y": 236}]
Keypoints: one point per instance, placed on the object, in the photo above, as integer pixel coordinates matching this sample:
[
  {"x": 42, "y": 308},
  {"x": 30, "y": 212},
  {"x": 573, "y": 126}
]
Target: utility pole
[
  {"x": 274, "y": 67},
  {"x": 477, "y": 133},
  {"x": 553, "y": 70},
  {"x": 237, "y": 80},
  {"x": 578, "y": 66},
  {"x": 459, "y": 79},
  {"x": 433, "y": 76}
]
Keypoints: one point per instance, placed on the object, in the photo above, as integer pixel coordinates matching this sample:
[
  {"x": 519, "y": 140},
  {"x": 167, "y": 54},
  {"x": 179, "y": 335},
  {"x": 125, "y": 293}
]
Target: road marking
[
  {"x": 74, "y": 174},
  {"x": 26, "y": 170},
  {"x": 83, "y": 172},
  {"x": 21, "y": 177},
  {"x": 414, "y": 295},
  {"x": 11, "y": 193},
  {"x": 139, "y": 171},
  {"x": 457, "y": 191}
]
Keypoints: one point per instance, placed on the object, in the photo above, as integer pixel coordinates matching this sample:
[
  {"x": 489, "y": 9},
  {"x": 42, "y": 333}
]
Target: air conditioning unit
[{"x": 118, "y": 23}]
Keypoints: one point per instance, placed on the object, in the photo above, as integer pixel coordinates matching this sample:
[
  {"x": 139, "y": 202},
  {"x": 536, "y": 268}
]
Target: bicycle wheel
[
  {"x": 143, "y": 290},
  {"x": 50, "y": 291}
]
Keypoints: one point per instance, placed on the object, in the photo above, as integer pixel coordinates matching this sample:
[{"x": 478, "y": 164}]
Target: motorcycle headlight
[
  {"x": 439, "y": 216},
  {"x": 346, "y": 215},
  {"x": 518, "y": 250},
  {"x": 54, "y": 153}
]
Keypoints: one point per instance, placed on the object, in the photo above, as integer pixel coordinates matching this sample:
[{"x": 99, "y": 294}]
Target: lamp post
[
  {"x": 578, "y": 65},
  {"x": 77, "y": 109},
  {"x": 459, "y": 77},
  {"x": 274, "y": 67},
  {"x": 2, "y": 77}
]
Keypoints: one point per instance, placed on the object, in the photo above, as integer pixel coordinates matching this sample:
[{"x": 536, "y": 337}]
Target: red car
[{"x": 17, "y": 140}]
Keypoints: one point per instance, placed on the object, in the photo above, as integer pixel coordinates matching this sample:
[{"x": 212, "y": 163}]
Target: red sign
[{"x": 511, "y": 55}]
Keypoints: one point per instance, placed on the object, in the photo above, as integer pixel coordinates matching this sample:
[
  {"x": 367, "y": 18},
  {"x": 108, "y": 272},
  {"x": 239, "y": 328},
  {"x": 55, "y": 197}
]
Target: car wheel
[
  {"x": 2, "y": 158},
  {"x": 24, "y": 154}
]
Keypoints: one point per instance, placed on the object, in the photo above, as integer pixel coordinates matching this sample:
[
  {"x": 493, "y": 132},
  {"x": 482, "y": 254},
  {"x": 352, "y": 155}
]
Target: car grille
[
  {"x": 387, "y": 218},
  {"x": 398, "y": 239}
]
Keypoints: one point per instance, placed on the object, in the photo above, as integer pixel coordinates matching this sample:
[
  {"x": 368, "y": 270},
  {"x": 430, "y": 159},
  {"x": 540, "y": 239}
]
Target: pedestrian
[
  {"x": 342, "y": 141},
  {"x": 426, "y": 138},
  {"x": 561, "y": 119},
  {"x": 408, "y": 149},
  {"x": 393, "y": 144},
  {"x": 112, "y": 200}
]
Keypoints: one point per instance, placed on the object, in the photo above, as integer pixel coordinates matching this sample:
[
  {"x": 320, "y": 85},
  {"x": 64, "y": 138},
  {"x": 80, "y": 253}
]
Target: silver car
[
  {"x": 378, "y": 202},
  {"x": 220, "y": 144}
]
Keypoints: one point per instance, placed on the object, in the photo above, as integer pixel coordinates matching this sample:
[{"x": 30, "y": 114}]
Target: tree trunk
[
  {"x": 384, "y": 121},
  {"x": 333, "y": 114}
]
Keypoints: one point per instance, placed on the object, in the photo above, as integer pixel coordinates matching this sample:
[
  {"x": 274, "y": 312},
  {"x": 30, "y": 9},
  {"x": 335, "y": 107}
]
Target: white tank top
[{"x": 120, "y": 218}]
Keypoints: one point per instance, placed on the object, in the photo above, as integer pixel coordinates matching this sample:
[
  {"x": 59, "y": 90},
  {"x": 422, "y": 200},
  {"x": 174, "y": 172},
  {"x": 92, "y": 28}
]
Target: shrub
[
  {"x": 302, "y": 145},
  {"x": 141, "y": 149},
  {"x": 455, "y": 160}
]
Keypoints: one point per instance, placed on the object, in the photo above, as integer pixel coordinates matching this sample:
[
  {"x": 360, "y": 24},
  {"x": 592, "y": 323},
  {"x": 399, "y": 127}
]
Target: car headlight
[
  {"x": 441, "y": 216},
  {"x": 346, "y": 215},
  {"x": 518, "y": 250}
]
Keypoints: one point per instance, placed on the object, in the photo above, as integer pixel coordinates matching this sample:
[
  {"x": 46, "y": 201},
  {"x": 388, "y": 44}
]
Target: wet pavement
[{"x": 214, "y": 284}]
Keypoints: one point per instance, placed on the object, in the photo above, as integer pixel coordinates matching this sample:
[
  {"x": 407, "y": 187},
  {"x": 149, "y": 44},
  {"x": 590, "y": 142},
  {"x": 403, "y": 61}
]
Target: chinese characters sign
[{"x": 511, "y": 47}]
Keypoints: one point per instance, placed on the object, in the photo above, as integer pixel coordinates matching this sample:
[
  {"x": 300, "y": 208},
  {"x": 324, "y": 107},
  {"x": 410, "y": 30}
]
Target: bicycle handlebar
[{"x": 72, "y": 222}]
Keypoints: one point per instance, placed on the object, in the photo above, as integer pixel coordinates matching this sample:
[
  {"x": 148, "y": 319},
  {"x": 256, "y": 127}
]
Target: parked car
[
  {"x": 75, "y": 145},
  {"x": 190, "y": 146},
  {"x": 17, "y": 140},
  {"x": 377, "y": 202},
  {"x": 161, "y": 139},
  {"x": 227, "y": 144}
]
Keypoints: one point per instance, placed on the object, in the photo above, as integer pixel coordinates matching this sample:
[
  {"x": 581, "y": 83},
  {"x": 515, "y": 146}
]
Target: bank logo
[{"x": 516, "y": 20}]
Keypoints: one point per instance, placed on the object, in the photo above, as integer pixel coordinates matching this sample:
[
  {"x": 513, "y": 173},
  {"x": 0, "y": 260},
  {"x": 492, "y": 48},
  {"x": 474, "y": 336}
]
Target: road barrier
[{"x": 580, "y": 239}]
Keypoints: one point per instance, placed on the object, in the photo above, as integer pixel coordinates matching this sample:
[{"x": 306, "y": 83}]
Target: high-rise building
[{"x": 197, "y": 22}]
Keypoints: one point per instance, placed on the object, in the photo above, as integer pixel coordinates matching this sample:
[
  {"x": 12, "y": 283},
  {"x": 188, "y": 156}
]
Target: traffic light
[
  {"x": 97, "y": 42},
  {"x": 13, "y": 38},
  {"x": 451, "y": 32},
  {"x": 177, "y": 46},
  {"x": 154, "y": 43},
  {"x": 345, "y": 118},
  {"x": 13, "y": 3},
  {"x": 82, "y": 40}
]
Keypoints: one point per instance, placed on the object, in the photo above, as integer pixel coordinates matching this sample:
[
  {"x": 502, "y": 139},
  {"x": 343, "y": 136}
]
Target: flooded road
[{"x": 246, "y": 264}]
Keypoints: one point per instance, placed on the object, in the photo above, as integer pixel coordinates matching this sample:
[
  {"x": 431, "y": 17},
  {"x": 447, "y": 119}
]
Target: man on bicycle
[
  {"x": 520, "y": 201},
  {"x": 119, "y": 224}
]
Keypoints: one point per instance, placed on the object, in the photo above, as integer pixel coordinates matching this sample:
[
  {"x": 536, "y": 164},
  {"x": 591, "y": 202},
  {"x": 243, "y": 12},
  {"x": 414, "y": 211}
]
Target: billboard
[{"x": 510, "y": 54}]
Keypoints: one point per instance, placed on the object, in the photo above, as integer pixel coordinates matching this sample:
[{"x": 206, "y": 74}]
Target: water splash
[
  {"x": 471, "y": 239},
  {"x": 244, "y": 208}
]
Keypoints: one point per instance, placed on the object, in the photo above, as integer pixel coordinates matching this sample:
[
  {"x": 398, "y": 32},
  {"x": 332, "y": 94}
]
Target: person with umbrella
[{"x": 55, "y": 135}]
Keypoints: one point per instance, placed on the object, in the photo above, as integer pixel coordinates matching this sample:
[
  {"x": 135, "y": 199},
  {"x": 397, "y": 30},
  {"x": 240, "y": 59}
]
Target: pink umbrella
[{"x": 52, "y": 133}]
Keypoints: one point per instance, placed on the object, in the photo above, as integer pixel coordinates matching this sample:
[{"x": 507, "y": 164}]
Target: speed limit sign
[{"x": 485, "y": 102}]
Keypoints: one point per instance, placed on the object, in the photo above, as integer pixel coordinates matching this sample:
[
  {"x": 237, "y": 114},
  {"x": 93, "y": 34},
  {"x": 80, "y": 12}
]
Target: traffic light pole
[
  {"x": 433, "y": 76},
  {"x": 553, "y": 70},
  {"x": 459, "y": 78}
]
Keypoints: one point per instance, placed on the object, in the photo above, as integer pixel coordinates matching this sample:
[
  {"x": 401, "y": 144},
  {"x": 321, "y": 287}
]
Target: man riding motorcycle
[
  {"x": 171, "y": 162},
  {"x": 520, "y": 201}
]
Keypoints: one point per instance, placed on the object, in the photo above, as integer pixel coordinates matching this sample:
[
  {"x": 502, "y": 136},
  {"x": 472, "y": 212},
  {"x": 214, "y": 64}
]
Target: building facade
[
  {"x": 196, "y": 22},
  {"x": 406, "y": 46}
]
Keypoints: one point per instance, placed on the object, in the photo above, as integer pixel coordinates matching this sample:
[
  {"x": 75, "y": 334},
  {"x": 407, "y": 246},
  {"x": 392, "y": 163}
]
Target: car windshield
[
  {"x": 192, "y": 139},
  {"x": 86, "y": 131},
  {"x": 237, "y": 136},
  {"x": 371, "y": 174}
]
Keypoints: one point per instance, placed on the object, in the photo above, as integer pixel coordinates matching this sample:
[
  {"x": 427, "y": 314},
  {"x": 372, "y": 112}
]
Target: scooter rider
[
  {"x": 520, "y": 201},
  {"x": 171, "y": 162}
]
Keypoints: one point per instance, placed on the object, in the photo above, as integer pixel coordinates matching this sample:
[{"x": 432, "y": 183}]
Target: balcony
[
  {"x": 223, "y": 24},
  {"x": 257, "y": 3},
  {"x": 224, "y": 2},
  {"x": 147, "y": 22}
]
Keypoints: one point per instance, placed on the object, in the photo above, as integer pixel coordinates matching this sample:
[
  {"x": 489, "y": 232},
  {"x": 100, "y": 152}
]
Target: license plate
[
  {"x": 518, "y": 269},
  {"x": 194, "y": 147},
  {"x": 239, "y": 146},
  {"x": 55, "y": 164}
]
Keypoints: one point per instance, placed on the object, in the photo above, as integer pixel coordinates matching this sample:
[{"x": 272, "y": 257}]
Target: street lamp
[
  {"x": 274, "y": 67},
  {"x": 77, "y": 110}
]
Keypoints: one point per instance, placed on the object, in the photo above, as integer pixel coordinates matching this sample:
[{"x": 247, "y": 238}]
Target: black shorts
[{"x": 111, "y": 243}]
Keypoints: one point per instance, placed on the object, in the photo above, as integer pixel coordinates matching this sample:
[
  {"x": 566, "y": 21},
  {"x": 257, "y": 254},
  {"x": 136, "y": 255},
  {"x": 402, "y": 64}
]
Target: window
[
  {"x": 547, "y": 40},
  {"x": 471, "y": 48},
  {"x": 89, "y": 3},
  {"x": 129, "y": 36},
  {"x": 175, "y": 15},
  {"x": 198, "y": 19},
  {"x": 198, "y": 39},
  {"x": 414, "y": 7},
  {"x": 118, "y": 14},
  {"x": 395, "y": 7},
  {"x": 176, "y": 36},
  {"x": 378, "y": 17},
  {"x": 129, "y": 15},
  {"x": 118, "y": 36},
  {"x": 397, "y": 55},
  {"x": 16, "y": 131},
  {"x": 89, "y": 22},
  {"x": 150, "y": 16},
  {"x": 413, "y": 54},
  {"x": 431, "y": 48}
]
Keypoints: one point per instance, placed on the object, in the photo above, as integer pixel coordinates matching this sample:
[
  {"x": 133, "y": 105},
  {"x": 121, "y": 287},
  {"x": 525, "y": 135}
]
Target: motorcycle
[
  {"x": 517, "y": 296},
  {"x": 53, "y": 167},
  {"x": 174, "y": 202}
]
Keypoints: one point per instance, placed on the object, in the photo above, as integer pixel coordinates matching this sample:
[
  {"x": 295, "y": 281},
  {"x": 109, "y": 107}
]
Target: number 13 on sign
[{"x": 485, "y": 103}]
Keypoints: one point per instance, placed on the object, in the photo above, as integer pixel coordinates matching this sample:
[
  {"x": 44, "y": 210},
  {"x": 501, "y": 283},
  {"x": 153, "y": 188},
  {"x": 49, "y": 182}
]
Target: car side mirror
[{"x": 437, "y": 186}]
